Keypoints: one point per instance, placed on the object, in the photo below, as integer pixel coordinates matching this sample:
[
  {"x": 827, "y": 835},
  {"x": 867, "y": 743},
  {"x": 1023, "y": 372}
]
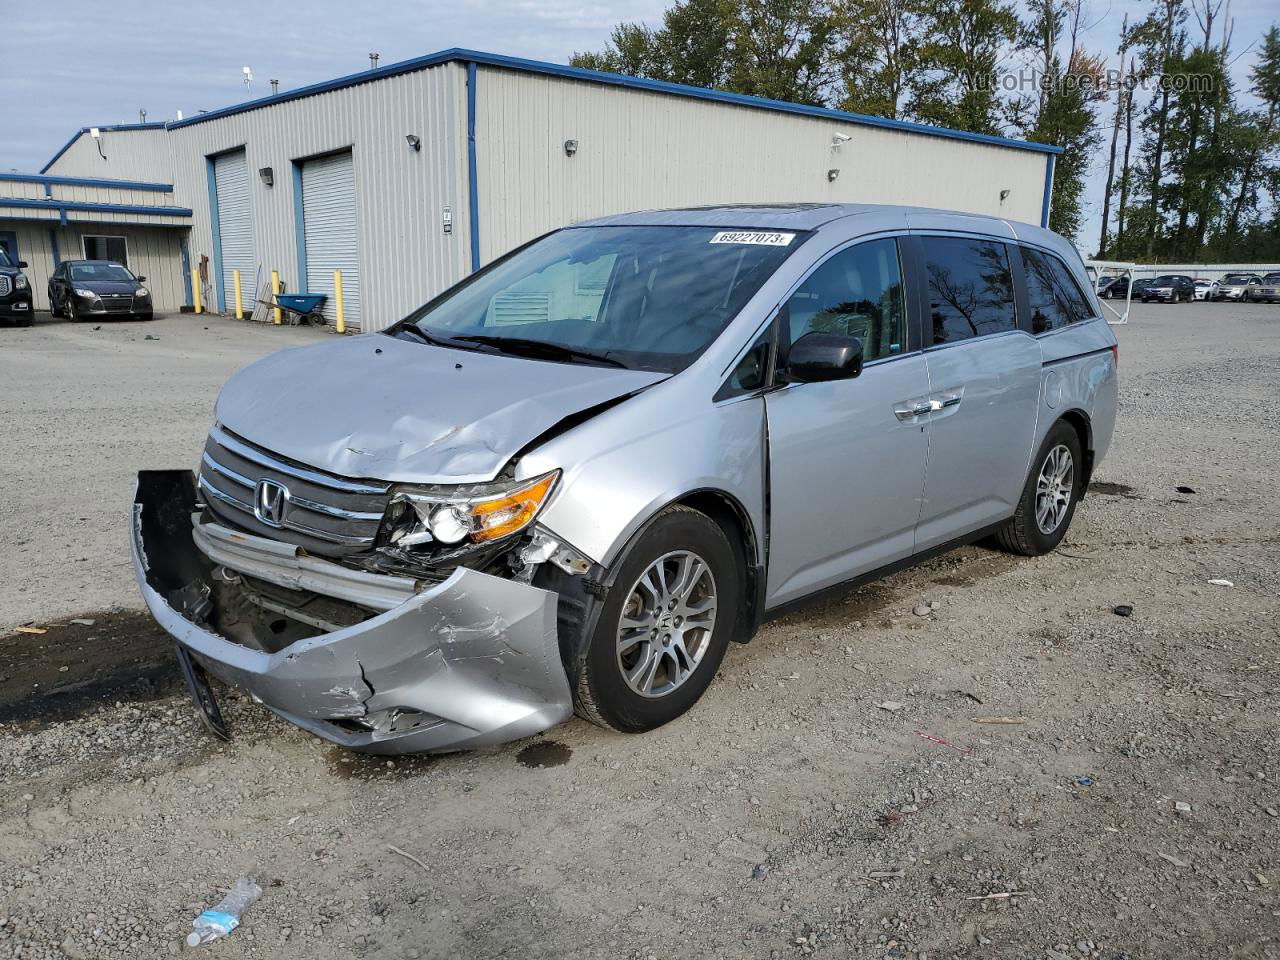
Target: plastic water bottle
[{"x": 225, "y": 917}]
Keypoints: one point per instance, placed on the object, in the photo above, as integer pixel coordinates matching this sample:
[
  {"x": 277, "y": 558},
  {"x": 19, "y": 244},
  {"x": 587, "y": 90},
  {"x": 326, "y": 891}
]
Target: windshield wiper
[
  {"x": 418, "y": 333},
  {"x": 540, "y": 349}
]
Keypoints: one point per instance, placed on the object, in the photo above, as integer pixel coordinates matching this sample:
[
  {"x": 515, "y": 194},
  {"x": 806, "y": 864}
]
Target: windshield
[
  {"x": 89, "y": 272},
  {"x": 650, "y": 298},
  {"x": 4, "y": 258},
  {"x": 1165, "y": 281},
  {"x": 1237, "y": 278}
]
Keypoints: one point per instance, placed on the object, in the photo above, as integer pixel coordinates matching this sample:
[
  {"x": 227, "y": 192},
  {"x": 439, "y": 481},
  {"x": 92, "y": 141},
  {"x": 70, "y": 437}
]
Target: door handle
[
  {"x": 917, "y": 409},
  {"x": 948, "y": 400}
]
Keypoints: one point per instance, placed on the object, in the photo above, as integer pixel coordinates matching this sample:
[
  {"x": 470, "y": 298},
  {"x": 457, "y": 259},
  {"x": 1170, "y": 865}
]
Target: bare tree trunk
[
  {"x": 1157, "y": 162},
  {"x": 1126, "y": 168},
  {"x": 1115, "y": 136}
]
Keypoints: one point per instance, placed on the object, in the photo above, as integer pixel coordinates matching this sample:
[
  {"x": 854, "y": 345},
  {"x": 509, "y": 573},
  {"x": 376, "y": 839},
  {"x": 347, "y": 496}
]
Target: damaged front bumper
[{"x": 468, "y": 662}]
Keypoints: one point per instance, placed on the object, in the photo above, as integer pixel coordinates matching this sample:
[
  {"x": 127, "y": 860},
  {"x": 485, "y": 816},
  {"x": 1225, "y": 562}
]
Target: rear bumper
[{"x": 469, "y": 662}]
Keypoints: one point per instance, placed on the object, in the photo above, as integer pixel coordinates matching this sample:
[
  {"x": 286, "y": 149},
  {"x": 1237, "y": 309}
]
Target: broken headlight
[{"x": 477, "y": 514}]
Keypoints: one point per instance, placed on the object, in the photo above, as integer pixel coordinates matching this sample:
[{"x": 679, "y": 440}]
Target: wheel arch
[{"x": 1079, "y": 421}]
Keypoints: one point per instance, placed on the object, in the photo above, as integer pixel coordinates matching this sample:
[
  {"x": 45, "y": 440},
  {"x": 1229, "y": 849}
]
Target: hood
[
  {"x": 382, "y": 408},
  {"x": 107, "y": 286}
]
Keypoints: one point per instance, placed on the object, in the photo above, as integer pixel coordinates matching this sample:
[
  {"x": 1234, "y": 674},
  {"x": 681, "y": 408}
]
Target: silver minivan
[{"x": 568, "y": 482}]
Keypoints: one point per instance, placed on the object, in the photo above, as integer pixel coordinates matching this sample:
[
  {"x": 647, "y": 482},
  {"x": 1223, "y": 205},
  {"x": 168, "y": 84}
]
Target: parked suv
[
  {"x": 15, "y": 290},
  {"x": 1170, "y": 288},
  {"x": 1268, "y": 291},
  {"x": 1237, "y": 286},
  {"x": 570, "y": 481}
]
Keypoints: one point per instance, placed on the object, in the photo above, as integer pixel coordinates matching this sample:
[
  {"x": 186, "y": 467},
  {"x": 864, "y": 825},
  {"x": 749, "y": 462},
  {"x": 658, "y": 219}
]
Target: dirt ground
[{"x": 1131, "y": 811}]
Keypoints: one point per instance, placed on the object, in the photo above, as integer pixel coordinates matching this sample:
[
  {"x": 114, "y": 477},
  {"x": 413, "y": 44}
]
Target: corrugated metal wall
[
  {"x": 154, "y": 253},
  {"x": 639, "y": 150},
  {"x": 130, "y": 155},
  {"x": 405, "y": 258}
]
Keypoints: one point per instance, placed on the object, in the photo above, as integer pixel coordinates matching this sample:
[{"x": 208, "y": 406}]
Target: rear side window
[
  {"x": 1054, "y": 295},
  {"x": 970, "y": 288}
]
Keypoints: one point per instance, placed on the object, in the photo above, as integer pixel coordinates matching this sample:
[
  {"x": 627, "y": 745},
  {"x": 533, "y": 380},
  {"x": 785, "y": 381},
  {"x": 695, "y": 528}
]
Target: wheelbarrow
[{"x": 299, "y": 307}]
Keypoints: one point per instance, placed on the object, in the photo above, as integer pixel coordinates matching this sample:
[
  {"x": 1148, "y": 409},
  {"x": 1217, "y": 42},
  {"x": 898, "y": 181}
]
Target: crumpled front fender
[{"x": 468, "y": 662}]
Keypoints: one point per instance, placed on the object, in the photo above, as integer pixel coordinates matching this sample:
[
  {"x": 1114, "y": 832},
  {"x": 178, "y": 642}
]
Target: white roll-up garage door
[
  {"x": 235, "y": 228},
  {"x": 329, "y": 230}
]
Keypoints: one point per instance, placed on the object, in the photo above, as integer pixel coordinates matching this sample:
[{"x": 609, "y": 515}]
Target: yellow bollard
[
  {"x": 337, "y": 302},
  {"x": 239, "y": 300},
  {"x": 195, "y": 289},
  {"x": 276, "y": 316}
]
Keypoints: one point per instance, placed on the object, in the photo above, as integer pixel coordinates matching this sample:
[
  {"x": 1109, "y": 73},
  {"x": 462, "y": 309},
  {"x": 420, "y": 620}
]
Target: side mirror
[
  {"x": 22, "y": 264},
  {"x": 819, "y": 356}
]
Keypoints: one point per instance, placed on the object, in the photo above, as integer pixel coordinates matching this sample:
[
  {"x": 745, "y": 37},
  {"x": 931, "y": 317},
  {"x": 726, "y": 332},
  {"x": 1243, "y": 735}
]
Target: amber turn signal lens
[{"x": 505, "y": 515}]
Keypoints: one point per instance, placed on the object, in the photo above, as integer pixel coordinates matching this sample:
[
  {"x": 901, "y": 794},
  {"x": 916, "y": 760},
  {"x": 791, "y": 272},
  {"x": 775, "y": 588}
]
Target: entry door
[
  {"x": 846, "y": 458},
  {"x": 984, "y": 388},
  {"x": 235, "y": 229},
  {"x": 329, "y": 230}
]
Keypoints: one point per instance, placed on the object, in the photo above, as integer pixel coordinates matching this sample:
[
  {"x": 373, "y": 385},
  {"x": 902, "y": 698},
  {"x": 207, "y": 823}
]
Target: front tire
[
  {"x": 665, "y": 625},
  {"x": 1049, "y": 498}
]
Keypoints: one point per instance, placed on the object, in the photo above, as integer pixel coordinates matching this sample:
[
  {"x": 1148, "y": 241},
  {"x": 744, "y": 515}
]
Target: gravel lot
[{"x": 1133, "y": 809}]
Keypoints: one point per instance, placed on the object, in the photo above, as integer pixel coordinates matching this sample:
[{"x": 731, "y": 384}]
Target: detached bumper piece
[{"x": 405, "y": 666}]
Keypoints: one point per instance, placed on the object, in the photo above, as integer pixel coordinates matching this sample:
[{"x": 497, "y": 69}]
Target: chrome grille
[
  {"x": 6, "y": 285},
  {"x": 326, "y": 514}
]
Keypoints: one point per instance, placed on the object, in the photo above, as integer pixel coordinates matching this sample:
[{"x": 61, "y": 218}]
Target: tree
[
  {"x": 1064, "y": 111},
  {"x": 1259, "y": 139},
  {"x": 879, "y": 54},
  {"x": 1115, "y": 137},
  {"x": 779, "y": 49},
  {"x": 964, "y": 44},
  {"x": 1161, "y": 40}
]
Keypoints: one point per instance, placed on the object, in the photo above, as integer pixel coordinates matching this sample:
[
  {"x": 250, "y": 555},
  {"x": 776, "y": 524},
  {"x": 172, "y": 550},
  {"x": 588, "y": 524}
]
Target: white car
[{"x": 1205, "y": 289}]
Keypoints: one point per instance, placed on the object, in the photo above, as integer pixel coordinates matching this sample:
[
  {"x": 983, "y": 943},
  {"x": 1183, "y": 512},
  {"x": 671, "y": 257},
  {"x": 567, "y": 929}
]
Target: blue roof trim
[
  {"x": 86, "y": 182},
  {"x": 108, "y": 129},
  {"x": 62, "y": 206},
  {"x": 458, "y": 54}
]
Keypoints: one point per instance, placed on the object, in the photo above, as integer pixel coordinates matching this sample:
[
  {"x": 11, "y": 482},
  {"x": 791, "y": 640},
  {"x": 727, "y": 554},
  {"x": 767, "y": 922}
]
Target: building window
[{"x": 107, "y": 248}]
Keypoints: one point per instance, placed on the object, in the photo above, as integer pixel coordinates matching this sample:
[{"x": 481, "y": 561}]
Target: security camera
[{"x": 840, "y": 138}]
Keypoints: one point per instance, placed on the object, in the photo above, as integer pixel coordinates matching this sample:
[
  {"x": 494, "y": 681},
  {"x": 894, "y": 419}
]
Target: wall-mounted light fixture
[
  {"x": 1004, "y": 195},
  {"x": 268, "y": 176},
  {"x": 570, "y": 147},
  {"x": 414, "y": 141},
  {"x": 832, "y": 174}
]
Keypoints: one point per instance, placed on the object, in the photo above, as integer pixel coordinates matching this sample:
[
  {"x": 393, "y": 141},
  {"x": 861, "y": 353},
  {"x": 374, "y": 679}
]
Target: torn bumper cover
[{"x": 468, "y": 662}]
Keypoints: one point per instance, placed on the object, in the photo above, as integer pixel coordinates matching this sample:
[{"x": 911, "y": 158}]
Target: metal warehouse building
[{"x": 409, "y": 176}]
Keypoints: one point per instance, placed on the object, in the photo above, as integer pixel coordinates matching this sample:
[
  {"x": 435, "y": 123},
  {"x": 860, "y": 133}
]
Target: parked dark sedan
[
  {"x": 1171, "y": 288},
  {"x": 1117, "y": 288},
  {"x": 91, "y": 289}
]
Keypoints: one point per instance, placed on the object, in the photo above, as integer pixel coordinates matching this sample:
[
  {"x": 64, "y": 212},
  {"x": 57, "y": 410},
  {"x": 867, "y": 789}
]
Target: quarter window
[
  {"x": 857, "y": 292},
  {"x": 1054, "y": 295},
  {"x": 970, "y": 288},
  {"x": 107, "y": 248}
]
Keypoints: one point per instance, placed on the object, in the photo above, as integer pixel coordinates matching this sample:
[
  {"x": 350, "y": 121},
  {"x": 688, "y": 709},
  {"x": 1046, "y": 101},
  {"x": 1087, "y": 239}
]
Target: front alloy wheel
[
  {"x": 667, "y": 623},
  {"x": 674, "y": 598}
]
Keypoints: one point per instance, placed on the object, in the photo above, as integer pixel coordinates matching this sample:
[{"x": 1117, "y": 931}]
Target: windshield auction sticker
[{"x": 760, "y": 239}]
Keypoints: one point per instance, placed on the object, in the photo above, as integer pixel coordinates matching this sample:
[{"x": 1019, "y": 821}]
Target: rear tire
[
  {"x": 1050, "y": 496},
  {"x": 665, "y": 625}
]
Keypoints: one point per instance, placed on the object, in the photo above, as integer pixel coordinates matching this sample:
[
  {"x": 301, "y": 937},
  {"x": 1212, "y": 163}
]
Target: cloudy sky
[{"x": 81, "y": 63}]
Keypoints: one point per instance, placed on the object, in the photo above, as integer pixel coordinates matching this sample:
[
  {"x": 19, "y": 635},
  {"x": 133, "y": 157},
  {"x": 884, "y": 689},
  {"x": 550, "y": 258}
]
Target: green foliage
[{"x": 1200, "y": 176}]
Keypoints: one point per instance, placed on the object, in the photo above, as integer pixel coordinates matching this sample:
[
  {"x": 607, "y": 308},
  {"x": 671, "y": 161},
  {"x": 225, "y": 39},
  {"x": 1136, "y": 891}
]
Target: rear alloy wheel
[
  {"x": 1049, "y": 497},
  {"x": 665, "y": 625}
]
